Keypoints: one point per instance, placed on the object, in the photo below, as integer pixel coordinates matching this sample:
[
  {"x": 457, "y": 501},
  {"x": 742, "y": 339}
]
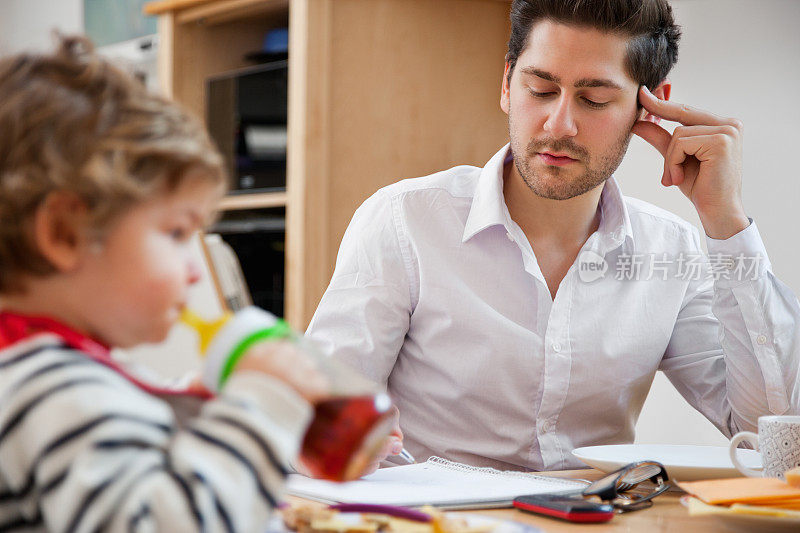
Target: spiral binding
[{"x": 461, "y": 467}]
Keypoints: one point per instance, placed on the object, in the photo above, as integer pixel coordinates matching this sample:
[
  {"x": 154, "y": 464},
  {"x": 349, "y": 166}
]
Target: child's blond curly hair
[{"x": 70, "y": 121}]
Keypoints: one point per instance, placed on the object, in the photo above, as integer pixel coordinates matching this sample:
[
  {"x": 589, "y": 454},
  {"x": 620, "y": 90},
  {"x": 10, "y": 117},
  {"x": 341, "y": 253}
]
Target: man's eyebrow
[
  {"x": 541, "y": 74},
  {"x": 583, "y": 82},
  {"x": 597, "y": 82}
]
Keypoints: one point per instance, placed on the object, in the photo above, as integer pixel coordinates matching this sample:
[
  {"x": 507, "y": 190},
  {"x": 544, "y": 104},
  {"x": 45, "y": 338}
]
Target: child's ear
[{"x": 59, "y": 229}]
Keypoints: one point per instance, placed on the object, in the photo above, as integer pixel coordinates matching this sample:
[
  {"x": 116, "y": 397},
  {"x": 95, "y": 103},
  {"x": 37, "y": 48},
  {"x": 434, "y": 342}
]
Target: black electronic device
[
  {"x": 570, "y": 508},
  {"x": 246, "y": 115},
  {"x": 258, "y": 239}
]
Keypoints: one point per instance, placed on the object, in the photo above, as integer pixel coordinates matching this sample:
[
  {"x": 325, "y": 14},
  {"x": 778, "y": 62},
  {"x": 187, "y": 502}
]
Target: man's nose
[{"x": 561, "y": 120}]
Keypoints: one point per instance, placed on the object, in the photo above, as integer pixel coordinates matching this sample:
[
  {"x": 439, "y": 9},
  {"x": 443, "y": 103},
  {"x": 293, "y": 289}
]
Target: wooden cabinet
[{"x": 379, "y": 90}]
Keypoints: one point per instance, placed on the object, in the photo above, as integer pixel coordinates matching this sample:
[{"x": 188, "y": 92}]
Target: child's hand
[
  {"x": 285, "y": 361},
  {"x": 392, "y": 445}
]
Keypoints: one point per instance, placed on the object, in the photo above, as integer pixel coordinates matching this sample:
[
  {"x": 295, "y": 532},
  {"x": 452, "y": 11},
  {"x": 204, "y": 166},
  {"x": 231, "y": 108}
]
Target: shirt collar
[
  {"x": 489, "y": 206},
  {"x": 615, "y": 223},
  {"x": 15, "y": 327}
]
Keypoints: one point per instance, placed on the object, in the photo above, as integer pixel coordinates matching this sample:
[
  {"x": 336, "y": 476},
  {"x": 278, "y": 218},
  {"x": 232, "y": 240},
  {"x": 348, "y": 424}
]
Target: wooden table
[{"x": 666, "y": 515}]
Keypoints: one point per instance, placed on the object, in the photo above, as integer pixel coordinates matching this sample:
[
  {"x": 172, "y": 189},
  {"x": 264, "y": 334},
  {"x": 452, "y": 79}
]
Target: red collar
[{"x": 16, "y": 327}]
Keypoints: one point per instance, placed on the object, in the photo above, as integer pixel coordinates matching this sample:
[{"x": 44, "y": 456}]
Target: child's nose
[{"x": 193, "y": 271}]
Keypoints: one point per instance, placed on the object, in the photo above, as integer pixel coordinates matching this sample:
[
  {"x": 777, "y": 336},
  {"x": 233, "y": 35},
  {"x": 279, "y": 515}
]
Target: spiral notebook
[{"x": 437, "y": 482}]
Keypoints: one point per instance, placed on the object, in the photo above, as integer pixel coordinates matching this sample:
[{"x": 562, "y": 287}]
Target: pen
[{"x": 407, "y": 456}]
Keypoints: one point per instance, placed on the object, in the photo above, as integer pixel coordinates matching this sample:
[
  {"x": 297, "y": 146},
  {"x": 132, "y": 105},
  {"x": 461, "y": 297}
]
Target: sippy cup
[{"x": 348, "y": 428}]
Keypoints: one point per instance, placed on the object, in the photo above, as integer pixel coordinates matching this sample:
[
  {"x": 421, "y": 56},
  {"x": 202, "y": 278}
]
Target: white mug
[{"x": 778, "y": 441}]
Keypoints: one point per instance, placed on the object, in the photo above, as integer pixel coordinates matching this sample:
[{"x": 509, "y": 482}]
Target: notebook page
[{"x": 434, "y": 482}]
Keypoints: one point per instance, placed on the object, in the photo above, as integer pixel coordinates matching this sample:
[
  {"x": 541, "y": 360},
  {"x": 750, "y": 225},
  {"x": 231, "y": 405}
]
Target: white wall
[
  {"x": 738, "y": 58},
  {"x": 27, "y": 24}
]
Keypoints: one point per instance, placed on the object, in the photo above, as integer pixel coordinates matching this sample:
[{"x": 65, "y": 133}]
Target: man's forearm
[{"x": 759, "y": 317}]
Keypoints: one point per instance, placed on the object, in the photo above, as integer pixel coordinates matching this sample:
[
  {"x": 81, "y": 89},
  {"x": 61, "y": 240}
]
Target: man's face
[{"x": 569, "y": 96}]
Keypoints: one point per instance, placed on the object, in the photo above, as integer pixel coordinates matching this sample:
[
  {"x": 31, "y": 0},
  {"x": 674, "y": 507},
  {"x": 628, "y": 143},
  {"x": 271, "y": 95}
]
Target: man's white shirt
[{"x": 438, "y": 295}]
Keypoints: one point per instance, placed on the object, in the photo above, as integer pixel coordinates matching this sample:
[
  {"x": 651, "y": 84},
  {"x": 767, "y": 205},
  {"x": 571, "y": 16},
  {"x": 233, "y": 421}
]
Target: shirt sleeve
[
  {"x": 733, "y": 353},
  {"x": 364, "y": 315},
  {"x": 82, "y": 449}
]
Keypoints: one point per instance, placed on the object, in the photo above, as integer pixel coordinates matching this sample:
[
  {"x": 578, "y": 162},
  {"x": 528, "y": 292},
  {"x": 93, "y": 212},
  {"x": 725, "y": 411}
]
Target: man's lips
[{"x": 551, "y": 158}]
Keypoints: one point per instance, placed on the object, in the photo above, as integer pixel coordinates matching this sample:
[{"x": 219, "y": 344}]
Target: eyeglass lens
[
  {"x": 612, "y": 487},
  {"x": 638, "y": 474}
]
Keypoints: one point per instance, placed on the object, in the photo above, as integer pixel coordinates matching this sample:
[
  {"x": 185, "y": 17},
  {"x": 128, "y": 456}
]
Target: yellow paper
[
  {"x": 747, "y": 490},
  {"x": 699, "y": 508}
]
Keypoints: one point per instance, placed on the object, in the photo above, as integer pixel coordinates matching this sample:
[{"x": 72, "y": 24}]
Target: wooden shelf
[
  {"x": 222, "y": 12},
  {"x": 215, "y": 12},
  {"x": 235, "y": 202},
  {"x": 370, "y": 101},
  {"x": 160, "y": 7}
]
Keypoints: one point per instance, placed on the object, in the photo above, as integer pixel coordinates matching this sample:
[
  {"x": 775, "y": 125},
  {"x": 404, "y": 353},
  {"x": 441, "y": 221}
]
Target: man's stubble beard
[{"x": 550, "y": 186}]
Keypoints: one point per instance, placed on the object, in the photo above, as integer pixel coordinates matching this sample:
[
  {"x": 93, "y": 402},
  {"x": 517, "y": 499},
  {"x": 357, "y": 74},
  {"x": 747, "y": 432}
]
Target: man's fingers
[
  {"x": 697, "y": 146},
  {"x": 676, "y": 174},
  {"x": 666, "y": 180},
  {"x": 653, "y": 134},
  {"x": 686, "y": 115},
  {"x": 691, "y": 131}
]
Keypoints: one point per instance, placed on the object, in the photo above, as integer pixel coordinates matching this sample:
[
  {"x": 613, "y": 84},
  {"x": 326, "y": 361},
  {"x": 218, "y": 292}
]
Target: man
[{"x": 521, "y": 310}]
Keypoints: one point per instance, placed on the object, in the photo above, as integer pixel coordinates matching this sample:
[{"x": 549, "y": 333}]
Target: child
[{"x": 102, "y": 185}]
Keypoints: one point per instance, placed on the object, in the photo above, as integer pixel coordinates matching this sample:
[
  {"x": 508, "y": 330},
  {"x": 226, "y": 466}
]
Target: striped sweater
[{"x": 84, "y": 449}]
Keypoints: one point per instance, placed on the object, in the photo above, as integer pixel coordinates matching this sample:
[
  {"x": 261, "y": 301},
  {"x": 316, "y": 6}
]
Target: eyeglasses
[{"x": 613, "y": 487}]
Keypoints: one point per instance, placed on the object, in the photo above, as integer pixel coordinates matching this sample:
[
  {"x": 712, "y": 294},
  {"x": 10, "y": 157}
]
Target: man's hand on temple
[{"x": 703, "y": 158}]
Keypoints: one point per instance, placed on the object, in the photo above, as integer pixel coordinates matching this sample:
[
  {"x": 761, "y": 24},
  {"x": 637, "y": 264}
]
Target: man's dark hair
[{"x": 654, "y": 36}]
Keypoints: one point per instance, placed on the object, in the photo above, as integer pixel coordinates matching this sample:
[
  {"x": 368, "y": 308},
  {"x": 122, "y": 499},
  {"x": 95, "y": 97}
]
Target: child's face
[{"x": 137, "y": 282}]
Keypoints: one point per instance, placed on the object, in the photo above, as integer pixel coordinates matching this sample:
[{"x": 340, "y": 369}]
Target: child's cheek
[{"x": 165, "y": 276}]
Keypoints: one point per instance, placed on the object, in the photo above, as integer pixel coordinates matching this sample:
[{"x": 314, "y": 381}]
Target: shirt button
[
  {"x": 510, "y": 237},
  {"x": 556, "y": 347},
  {"x": 761, "y": 339},
  {"x": 618, "y": 235}
]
